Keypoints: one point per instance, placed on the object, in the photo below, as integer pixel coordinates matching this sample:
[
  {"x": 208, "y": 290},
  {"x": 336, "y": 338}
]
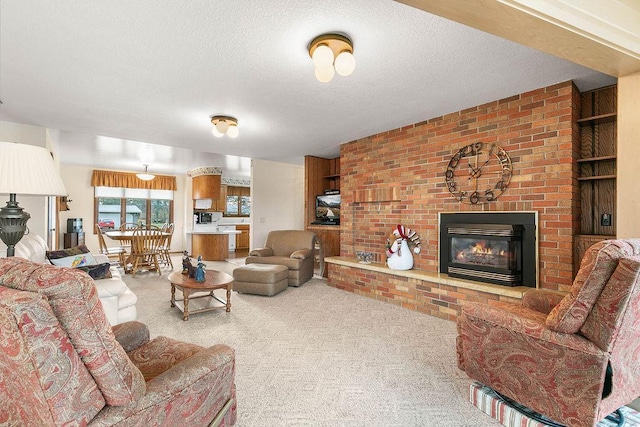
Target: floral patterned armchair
[
  {"x": 575, "y": 358},
  {"x": 61, "y": 363}
]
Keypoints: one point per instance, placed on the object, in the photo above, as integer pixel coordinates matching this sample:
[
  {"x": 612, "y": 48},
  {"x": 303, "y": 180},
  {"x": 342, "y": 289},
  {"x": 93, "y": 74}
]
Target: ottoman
[{"x": 261, "y": 279}]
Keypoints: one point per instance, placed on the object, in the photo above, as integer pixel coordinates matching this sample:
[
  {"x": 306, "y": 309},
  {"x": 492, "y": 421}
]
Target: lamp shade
[{"x": 28, "y": 169}]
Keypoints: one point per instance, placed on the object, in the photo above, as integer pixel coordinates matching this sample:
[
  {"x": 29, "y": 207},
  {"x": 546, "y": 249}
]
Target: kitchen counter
[
  {"x": 213, "y": 232},
  {"x": 212, "y": 245}
]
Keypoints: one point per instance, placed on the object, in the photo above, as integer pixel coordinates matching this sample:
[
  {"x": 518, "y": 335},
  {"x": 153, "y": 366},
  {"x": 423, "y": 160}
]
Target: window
[
  {"x": 238, "y": 202},
  {"x": 116, "y": 206}
]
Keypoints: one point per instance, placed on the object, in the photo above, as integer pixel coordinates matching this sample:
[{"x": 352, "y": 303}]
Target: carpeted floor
[{"x": 318, "y": 356}]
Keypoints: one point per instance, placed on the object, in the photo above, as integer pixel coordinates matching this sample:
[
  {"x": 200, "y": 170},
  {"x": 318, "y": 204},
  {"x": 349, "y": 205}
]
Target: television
[{"x": 328, "y": 209}]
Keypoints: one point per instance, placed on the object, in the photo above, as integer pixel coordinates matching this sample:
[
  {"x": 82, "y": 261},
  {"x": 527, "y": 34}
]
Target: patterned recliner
[
  {"x": 573, "y": 358},
  {"x": 61, "y": 363}
]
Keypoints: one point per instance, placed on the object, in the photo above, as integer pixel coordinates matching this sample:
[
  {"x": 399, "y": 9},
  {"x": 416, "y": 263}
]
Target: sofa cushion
[
  {"x": 38, "y": 338},
  {"x": 74, "y": 300},
  {"x": 77, "y": 256},
  {"x": 290, "y": 263},
  {"x": 32, "y": 247},
  {"x": 596, "y": 268}
]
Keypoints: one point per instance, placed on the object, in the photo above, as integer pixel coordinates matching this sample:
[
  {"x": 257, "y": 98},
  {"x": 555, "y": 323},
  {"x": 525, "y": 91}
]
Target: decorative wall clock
[{"x": 478, "y": 173}]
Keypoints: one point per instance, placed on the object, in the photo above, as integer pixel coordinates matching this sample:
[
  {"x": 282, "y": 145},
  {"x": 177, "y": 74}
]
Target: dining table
[
  {"x": 127, "y": 236},
  {"x": 120, "y": 235}
]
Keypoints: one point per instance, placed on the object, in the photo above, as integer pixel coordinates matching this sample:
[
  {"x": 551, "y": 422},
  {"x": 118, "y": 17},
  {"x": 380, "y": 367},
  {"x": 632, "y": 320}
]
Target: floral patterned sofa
[
  {"x": 575, "y": 358},
  {"x": 62, "y": 363},
  {"x": 118, "y": 301}
]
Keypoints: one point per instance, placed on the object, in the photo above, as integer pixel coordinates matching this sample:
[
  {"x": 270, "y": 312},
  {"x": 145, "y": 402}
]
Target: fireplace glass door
[{"x": 494, "y": 253}]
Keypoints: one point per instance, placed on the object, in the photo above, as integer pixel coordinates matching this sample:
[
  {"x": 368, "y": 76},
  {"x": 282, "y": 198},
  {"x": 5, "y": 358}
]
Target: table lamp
[{"x": 24, "y": 169}]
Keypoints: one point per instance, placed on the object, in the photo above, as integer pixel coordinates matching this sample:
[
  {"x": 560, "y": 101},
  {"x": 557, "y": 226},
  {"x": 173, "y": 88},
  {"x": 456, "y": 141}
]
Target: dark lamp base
[{"x": 13, "y": 224}]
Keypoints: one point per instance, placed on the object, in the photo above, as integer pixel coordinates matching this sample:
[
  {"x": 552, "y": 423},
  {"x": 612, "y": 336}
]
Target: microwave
[{"x": 204, "y": 218}]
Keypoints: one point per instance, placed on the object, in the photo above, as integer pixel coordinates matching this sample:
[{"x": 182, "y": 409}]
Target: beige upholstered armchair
[
  {"x": 292, "y": 248},
  {"x": 573, "y": 358},
  {"x": 61, "y": 363}
]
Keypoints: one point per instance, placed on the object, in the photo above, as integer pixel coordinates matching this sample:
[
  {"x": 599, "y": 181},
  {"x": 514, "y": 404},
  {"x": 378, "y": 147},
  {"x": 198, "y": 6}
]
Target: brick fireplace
[{"x": 398, "y": 177}]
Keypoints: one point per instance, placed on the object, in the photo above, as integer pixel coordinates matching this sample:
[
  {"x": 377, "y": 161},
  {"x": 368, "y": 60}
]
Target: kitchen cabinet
[
  {"x": 205, "y": 187},
  {"x": 220, "y": 204},
  {"x": 242, "y": 239}
]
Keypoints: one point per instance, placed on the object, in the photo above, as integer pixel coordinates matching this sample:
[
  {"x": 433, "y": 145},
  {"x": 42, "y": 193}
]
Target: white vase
[{"x": 404, "y": 261}]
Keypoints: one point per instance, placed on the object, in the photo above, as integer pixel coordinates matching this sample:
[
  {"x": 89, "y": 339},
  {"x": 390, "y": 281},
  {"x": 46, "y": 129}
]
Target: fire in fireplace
[{"x": 496, "y": 248}]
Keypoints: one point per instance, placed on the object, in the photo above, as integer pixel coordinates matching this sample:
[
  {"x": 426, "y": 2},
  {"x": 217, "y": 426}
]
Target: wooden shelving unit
[
  {"x": 597, "y": 166},
  {"x": 321, "y": 174}
]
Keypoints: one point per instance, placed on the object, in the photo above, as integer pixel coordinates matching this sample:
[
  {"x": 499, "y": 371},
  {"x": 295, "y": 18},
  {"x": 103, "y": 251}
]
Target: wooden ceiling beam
[{"x": 603, "y": 36}]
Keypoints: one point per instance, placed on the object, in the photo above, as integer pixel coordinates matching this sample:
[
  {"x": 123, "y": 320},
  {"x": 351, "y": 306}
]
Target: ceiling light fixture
[
  {"x": 332, "y": 53},
  {"x": 224, "y": 125},
  {"x": 146, "y": 176}
]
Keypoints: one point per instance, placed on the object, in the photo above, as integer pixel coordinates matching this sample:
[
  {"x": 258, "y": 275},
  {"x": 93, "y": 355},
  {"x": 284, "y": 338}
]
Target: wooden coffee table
[{"x": 200, "y": 303}]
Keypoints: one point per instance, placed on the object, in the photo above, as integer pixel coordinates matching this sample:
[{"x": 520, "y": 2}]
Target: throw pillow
[
  {"x": 72, "y": 257},
  {"x": 97, "y": 272}
]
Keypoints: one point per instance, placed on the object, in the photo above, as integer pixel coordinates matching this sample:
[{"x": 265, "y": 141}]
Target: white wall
[
  {"x": 277, "y": 199},
  {"x": 628, "y": 196},
  {"x": 77, "y": 180}
]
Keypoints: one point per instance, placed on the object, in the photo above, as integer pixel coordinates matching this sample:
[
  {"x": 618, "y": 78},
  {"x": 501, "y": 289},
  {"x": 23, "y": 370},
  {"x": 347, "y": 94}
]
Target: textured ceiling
[{"x": 133, "y": 82}]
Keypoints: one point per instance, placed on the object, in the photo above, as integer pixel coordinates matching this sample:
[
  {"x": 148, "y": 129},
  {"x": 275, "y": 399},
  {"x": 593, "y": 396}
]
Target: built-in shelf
[
  {"x": 377, "y": 195},
  {"x": 599, "y": 119},
  {"x": 597, "y": 169},
  {"x": 596, "y": 159},
  {"x": 597, "y": 177}
]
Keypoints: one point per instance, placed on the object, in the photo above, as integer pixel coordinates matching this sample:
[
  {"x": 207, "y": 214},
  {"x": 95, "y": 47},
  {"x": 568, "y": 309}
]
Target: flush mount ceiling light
[
  {"x": 146, "y": 176},
  {"x": 224, "y": 125},
  {"x": 332, "y": 53}
]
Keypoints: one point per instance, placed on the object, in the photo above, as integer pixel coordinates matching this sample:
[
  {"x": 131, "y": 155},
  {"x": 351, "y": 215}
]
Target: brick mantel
[{"x": 539, "y": 132}]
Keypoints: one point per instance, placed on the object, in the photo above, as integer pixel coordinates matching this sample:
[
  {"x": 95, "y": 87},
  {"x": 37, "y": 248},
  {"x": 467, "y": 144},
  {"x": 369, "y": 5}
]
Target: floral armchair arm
[
  {"x": 192, "y": 392},
  {"x": 542, "y": 300}
]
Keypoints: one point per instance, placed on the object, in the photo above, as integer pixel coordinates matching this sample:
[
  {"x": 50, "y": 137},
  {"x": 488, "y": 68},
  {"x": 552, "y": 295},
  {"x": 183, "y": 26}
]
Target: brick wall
[{"x": 397, "y": 177}]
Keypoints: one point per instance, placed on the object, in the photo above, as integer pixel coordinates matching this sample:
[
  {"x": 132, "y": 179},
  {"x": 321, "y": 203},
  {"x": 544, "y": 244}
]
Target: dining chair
[
  {"x": 127, "y": 226},
  {"x": 165, "y": 248},
  {"x": 144, "y": 250},
  {"x": 110, "y": 251}
]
